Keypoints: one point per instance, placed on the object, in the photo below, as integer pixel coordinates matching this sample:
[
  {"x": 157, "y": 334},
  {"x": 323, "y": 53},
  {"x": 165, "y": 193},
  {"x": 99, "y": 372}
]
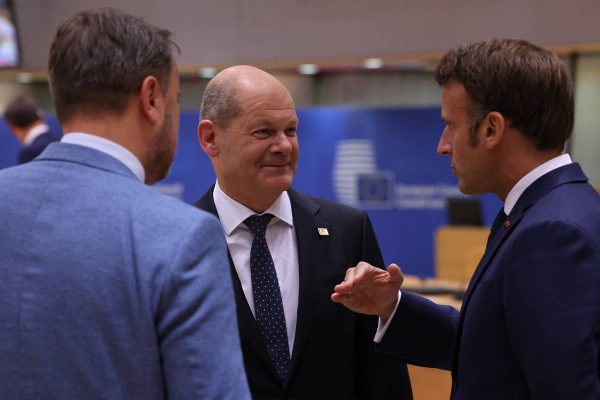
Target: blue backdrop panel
[{"x": 381, "y": 160}]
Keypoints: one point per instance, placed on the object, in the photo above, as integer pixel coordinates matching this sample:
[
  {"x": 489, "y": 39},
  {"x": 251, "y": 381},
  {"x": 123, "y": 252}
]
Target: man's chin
[
  {"x": 281, "y": 183},
  {"x": 470, "y": 190}
]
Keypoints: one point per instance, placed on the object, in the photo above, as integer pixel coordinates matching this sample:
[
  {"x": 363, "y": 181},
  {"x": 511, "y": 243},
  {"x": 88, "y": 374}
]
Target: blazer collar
[
  {"x": 566, "y": 174},
  {"x": 67, "y": 152}
]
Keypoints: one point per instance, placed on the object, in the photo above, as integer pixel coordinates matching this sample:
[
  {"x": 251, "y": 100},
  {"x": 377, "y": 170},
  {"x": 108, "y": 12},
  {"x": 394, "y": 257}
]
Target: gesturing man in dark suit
[
  {"x": 108, "y": 288},
  {"x": 25, "y": 120},
  {"x": 529, "y": 327},
  {"x": 287, "y": 252}
]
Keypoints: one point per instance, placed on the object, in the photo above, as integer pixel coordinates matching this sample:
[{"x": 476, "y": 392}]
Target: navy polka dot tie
[{"x": 267, "y": 296}]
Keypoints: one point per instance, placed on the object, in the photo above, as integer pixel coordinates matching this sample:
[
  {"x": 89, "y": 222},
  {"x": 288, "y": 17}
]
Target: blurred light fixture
[
  {"x": 308, "y": 69},
  {"x": 208, "y": 72},
  {"x": 24, "y": 77},
  {"x": 373, "y": 63}
]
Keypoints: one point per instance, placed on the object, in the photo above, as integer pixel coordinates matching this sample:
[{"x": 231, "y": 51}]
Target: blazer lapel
[
  {"x": 247, "y": 323},
  {"x": 504, "y": 226},
  {"x": 312, "y": 248}
]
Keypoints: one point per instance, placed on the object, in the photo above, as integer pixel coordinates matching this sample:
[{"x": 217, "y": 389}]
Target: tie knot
[{"x": 258, "y": 223}]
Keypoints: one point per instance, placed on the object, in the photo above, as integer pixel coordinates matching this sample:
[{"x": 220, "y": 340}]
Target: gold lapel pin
[{"x": 323, "y": 231}]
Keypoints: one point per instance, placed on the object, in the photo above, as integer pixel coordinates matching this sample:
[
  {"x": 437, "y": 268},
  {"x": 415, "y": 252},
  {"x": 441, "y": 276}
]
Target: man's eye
[
  {"x": 261, "y": 133},
  {"x": 291, "y": 132}
]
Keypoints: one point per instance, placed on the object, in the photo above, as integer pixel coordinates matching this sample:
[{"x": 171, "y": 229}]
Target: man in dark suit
[
  {"x": 287, "y": 252},
  {"x": 529, "y": 327},
  {"x": 25, "y": 120},
  {"x": 108, "y": 288}
]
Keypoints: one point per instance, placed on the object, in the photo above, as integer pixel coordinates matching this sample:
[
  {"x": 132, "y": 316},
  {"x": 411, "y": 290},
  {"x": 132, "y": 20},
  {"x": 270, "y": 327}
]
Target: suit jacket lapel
[
  {"x": 312, "y": 248},
  {"x": 247, "y": 323},
  {"x": 505, "y": 226}
]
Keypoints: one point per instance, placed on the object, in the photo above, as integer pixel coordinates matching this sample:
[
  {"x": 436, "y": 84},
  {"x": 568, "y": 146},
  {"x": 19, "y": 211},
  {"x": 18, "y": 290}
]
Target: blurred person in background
[{"x": 26, "y": 121}]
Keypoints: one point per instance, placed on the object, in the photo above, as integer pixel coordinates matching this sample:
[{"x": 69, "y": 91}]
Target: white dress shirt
[
  {"x": 108, "y": 147},
  {"x": 34, "y": 132},
  {"x": 509, "y": 204},
  {"x": 282, "y": 243}
]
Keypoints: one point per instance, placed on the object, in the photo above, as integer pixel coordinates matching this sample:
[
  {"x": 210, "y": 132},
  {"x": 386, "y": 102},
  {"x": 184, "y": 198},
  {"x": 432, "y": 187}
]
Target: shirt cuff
[{"x": 381, "y": 327}]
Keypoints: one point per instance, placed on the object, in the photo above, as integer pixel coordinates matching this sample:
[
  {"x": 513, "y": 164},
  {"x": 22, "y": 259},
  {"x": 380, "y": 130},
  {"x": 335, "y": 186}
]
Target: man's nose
[
  {"x": 444, "y": 147},
  {"x": 282, "y": 143}
]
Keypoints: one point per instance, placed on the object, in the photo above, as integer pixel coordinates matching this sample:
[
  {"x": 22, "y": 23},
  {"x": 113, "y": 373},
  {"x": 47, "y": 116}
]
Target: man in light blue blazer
[
  {"x": 529, "y": 327},
  {"x": 109, "y": 289}
]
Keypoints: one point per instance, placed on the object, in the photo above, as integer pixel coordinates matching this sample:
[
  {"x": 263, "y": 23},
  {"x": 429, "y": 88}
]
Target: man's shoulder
[
  {"x": 324, "y": 206},
  {"x": 206, "y": 202},
  {"x": 153, "y": 201},
  {"x": 573, "y": 200}
]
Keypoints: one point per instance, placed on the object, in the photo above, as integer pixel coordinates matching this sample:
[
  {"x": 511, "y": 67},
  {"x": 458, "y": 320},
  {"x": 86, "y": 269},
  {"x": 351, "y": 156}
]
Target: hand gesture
[{"x": 370, "y": 290}]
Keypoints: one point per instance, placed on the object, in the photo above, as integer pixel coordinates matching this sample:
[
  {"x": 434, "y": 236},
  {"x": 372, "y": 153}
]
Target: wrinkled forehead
[{"x": 268, "y": 104}]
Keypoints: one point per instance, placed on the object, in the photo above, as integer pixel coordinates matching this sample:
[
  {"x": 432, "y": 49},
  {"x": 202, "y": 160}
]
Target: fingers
[
  {"x": 361, "y": 270},
  {"x": 350, "y": 272},
  {"x": 338, "y": 298},
  {"x": 347, "y": 301},
  {"x": 353, "y": 277},
  {"x": 345, "y": 287}
]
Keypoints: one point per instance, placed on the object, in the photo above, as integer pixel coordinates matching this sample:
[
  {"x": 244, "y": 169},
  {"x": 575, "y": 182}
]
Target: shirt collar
[
  {"x": 34, "y": 133},
  {"x": 108, "y": 147},
  {"x": 232, "y": 213},
  {"x": 532, "y": 176}
]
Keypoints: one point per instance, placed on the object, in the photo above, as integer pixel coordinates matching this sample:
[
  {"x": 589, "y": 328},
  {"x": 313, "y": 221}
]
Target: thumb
[{"x": 395, "y": 274}]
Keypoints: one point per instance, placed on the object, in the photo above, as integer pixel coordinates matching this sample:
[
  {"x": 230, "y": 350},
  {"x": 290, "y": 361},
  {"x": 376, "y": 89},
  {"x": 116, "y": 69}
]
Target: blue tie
[{"x": 267, "y": 296}]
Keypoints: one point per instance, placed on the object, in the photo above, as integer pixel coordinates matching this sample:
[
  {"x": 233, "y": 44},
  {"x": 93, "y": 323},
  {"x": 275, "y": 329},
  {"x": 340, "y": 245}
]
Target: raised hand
[{"x": 370, "y": 290}]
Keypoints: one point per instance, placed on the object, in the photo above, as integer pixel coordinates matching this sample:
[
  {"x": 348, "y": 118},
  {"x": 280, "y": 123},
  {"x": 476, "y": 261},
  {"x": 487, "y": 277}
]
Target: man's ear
[
  {"x": 151, "y": 95},
  {"x": 207, "y": 137},
  {"x": 493, "y": 126}
]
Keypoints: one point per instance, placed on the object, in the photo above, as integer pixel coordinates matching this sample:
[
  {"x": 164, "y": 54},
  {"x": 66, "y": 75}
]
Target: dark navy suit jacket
[
  {"x": 332, "y": 356},
  {"x": 30, "y": 152},
  {"x": 529, "y": 327}
]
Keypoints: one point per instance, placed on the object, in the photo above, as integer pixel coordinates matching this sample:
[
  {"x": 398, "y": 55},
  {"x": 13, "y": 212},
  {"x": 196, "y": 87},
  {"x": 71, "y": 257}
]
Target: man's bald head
[{"x": 223, "y": 98}]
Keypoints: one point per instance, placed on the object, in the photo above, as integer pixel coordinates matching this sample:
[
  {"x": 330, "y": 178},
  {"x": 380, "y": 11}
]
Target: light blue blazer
[{"x": 110, "y": 289}]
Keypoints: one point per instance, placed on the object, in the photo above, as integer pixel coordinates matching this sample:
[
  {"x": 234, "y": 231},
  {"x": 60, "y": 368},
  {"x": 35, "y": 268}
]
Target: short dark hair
[
  {"x": 220, "y": 102},
  {"x": 527, "y": 84},
  {"x": 100, "y": 57},
  {"x": 22, "y": 112}
]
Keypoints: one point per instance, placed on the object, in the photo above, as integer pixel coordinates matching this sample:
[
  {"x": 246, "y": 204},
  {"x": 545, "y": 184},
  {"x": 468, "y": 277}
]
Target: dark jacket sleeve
[{"x": 421, "y": 333}]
